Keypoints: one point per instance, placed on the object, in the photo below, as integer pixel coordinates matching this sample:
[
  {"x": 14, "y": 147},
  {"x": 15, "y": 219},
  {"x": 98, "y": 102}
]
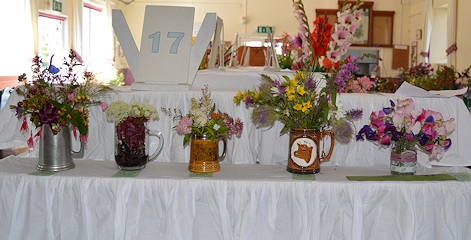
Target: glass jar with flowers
[
  {"x": 406, "y": 128},
  {"x": 308, "y": 104},
  {"x": 55, "y": 99},
  {"x": 132, "y": 133},
  {"x": 203, "y": 127}
]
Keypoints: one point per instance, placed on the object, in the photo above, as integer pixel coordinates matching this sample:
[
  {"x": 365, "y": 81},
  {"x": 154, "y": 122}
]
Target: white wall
[{"x": 279, "y": 14}]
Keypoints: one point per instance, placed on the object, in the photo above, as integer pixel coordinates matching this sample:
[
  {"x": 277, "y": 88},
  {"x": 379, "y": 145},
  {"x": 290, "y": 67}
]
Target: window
[
  {"x": 51, "y": 37},
  {"x": 97, "y": 47}
]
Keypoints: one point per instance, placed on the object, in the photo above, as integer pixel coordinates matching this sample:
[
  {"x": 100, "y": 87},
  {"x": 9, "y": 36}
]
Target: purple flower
[
  {"x": 298, "y": 41},
  {"x": 310, "y": 84},
  {"x": 355, "y": 114},
  {"x": 368, "y": 133},
  {"x": 47, "y": 114}
]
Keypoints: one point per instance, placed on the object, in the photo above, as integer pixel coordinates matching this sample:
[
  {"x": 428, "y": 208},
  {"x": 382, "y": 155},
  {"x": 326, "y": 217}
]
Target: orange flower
[{"x": 216, "y": 115}]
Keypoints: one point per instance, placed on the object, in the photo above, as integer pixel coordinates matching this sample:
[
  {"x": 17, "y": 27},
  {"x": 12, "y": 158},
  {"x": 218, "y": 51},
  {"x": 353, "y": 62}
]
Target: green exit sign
[
  {"x": 264, "y": 29},
  {"x": 56, "y": 6}
]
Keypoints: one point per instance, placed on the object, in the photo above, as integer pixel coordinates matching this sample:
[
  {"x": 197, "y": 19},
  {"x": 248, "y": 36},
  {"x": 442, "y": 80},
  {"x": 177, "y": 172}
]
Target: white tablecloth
[
  {"x": 264, "y": 146},
  {"x": 239, "y": 202}
]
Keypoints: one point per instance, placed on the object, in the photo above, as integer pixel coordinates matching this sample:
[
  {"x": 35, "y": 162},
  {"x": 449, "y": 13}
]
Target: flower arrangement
[
  {"x": 120, "y": 111},
  {"x": 285, "y": 59},
  {"x": 443, "y": 78},
  {"x": 408, "y": 127},
  {"x": 324, "y": 46},
  {"x": 57, "y": 96},
  {"x": 358, "y": 85},
  {"x": 204, "y": 119},
  {"x": 130, "y": 126},
  {"x": 299, "y": 102},
  {"x": 309, "y": 100}
]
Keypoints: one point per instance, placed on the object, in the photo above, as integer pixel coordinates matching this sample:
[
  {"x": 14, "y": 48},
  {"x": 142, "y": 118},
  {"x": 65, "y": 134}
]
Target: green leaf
[
  {"x": 77, "y": 120},
  {"x": 186, "y": 139}
]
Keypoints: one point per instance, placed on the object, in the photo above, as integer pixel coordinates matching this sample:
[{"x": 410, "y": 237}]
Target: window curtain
[
  {"x": 77, "y": 26},
  {"x": 17, "y": 42},
  {"x": 428, "y": 23},
  {"x": 451, "y": 33}
]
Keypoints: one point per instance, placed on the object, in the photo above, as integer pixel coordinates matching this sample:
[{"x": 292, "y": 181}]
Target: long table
[{"x": 239, "y": 202}]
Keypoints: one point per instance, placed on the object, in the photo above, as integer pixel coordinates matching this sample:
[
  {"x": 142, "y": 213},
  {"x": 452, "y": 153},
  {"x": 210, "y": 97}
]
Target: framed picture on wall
[{"x": 363, "y": 35}]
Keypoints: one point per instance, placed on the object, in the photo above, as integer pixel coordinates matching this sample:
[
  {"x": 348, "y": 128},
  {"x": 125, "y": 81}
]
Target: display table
[
  {"x": 264, "y": 146},
  {"x": 239, "y": 202}
]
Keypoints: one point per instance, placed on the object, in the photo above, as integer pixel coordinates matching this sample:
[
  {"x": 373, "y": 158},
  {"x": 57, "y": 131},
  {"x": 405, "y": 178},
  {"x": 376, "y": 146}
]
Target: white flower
[{"x": 216, "y": 126}]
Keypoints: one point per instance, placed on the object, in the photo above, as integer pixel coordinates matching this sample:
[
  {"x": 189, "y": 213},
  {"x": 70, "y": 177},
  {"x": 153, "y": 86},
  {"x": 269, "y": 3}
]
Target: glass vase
[
  {"x": 403, "y": 159},
  {"x": 132, "y": 144}
]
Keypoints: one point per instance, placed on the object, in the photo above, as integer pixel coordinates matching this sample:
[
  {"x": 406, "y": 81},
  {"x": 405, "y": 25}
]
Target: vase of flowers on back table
[
  {"x": 56, "y": 101},
  {"x": 308, "y": 103},
  {"x": 203, "y": 128}
]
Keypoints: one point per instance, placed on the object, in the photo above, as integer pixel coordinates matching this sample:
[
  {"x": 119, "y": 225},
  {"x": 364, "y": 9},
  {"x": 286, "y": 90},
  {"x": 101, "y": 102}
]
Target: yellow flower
[
  {"x": 306, "y": 106},
  {"x": 293, "y": 82},
  {"x": 239, "y": 97},
  {"x": 298, "y": 106},
  {"x": 290, "y": 90},
  {"x": 256, "y": 94},
  {"x": 301, "y": 90},
  {"x": 291, "y": 97}
]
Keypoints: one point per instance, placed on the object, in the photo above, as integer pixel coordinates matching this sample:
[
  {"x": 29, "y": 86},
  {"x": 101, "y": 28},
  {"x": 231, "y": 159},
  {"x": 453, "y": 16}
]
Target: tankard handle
[
  {"x": 332, "y": 142},
  {"x": 80, "y": 152},
  {"x": 160, "y": 136},
  {"x": 224, "y": 141}
]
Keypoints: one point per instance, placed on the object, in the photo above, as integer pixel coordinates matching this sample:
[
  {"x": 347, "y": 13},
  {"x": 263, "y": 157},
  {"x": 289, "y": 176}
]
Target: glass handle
[{"x": 160, "y": 136}]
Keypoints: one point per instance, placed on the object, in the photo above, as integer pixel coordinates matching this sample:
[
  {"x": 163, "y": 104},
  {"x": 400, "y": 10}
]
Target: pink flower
[
  {"x": 184, "y": 126},
  {"x": 71, "y": 96},
  {"x": 385, "y": 139},
  {"x": 104, "y": 106}
]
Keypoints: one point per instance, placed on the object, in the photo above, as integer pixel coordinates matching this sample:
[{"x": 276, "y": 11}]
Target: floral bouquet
[
  {"x": 130, "y": 126},
  {"x": 324, "y": 46},
  {"x": 204, "y": 119},
  {"x": 358, "y": 85},
  {"x": 57, "y": 97},
  {"x": 408, "y": 127},
  {"x": 285, "y": 59}
]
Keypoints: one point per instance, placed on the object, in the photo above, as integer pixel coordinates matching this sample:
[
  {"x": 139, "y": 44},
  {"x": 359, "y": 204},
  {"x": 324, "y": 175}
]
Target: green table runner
[{"x": 434, "y": 177}]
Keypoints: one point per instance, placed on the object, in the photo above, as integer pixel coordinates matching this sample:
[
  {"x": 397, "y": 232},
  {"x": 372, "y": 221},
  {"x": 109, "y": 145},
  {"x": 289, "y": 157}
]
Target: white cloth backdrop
[
  {"x": 264, "y": 146},
  {"x": 239, "y": 202}
]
